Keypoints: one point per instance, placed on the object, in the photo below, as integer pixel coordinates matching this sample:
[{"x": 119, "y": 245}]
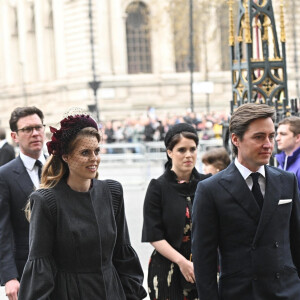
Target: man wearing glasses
[{"x": 18, "y": 179}]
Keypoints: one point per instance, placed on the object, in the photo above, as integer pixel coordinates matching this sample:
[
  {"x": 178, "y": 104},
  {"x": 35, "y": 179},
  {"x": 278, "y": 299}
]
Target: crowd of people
[{"x": 151, "y": 127}]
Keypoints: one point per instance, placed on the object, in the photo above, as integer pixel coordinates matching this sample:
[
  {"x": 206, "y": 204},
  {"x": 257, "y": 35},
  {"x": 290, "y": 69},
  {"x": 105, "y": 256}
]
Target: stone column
[
  {"x": 39, "y": 39},
  {"x": 118, "y": 37},
  {"x": 103, "y": 52},
  {"x": 22, "y": 42},
  {"x": 6, "y": 69},
  {"x": 163, "y": 42},
  {"x": 58, "y": 23}
]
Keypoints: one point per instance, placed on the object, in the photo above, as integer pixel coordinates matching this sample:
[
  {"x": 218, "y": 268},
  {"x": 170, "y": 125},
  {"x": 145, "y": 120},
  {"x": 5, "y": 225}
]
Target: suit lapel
[
  {"x": 22, "y": 177},
  {"x": 271, "y": 199},
  {"x": 234, "y": 183}
]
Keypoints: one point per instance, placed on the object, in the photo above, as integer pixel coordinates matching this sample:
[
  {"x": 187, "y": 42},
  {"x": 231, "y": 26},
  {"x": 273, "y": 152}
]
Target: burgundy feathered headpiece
[{"x": 69, "y": 127}]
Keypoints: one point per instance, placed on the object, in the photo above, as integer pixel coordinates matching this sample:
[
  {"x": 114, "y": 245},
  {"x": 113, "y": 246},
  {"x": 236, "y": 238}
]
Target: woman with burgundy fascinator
[
  {"x": 167, "y": 218},
  {"x": 79, "y": 240}
]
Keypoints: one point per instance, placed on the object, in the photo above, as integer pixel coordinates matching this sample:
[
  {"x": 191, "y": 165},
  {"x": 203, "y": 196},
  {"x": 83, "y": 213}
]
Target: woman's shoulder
[
  {"x": 159, "y": 181},
  {"x": 45, "y": 197},
  {"x": 167, "y": 176},
  {"x": 114, "y": 186},
  {"x": 44, "y": 192},
  {"x": 158, "y": 185},
  {"x": 200, "y": 176},
  {"x": 115, "y": 189}
]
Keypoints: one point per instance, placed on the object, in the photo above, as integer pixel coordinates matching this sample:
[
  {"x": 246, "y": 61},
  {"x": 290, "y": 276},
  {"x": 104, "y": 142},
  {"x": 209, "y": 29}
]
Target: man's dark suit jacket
[
  {"x": 259, "y": 250},
  {"x": 15, "y": 188},
  {"x": 7, "y": 153}
]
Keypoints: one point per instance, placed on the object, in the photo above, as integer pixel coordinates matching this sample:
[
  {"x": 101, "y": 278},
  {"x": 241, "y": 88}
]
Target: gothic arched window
[{"x": 138, "y": 38}]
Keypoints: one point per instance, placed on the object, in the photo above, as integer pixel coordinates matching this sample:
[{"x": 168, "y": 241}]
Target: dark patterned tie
[
  {"x": 256, "y": 190},
  {"x": 39, "y": 165}
]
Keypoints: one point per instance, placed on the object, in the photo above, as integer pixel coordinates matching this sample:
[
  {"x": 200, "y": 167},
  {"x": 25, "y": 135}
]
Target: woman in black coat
[
  {"x": 79, "y": 241},
  {"x": 167, "y": 218}
]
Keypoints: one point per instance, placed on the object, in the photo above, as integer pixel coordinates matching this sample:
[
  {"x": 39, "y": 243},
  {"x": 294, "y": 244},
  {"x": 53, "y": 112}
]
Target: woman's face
[
  {"x": 84, "y": 160},
  {"x": 207, "y": 168},
  {"x": 184, "y": 156}
]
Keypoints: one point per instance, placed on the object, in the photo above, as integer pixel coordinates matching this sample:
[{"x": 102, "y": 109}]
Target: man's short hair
[
  {"x": 246, "y": 114},
  {"x": 21, "y": 112},
  {"x": 2, "y": 134},
  {"x": 293, "y": 122}
]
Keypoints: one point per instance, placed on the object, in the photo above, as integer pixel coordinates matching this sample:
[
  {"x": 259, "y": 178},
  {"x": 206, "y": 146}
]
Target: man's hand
[{"x": 12, "y": 288}]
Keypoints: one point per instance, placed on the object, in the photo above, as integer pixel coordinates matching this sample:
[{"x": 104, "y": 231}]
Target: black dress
[
  {"x": 83, "y": 251},
  {"x": 167, "y": 204}
]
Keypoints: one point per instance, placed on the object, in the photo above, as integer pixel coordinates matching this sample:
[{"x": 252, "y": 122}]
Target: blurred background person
[
  {"x": 167, "y": 218},
  {"x": 109, "y": 132},
  {"x": 215, "y": 160},
  {"x": 148, "y": 130},
  {"x": 7, "y": 151},
  {"x": 288, "y": 141},
  {"x": 79, "y": 241}
]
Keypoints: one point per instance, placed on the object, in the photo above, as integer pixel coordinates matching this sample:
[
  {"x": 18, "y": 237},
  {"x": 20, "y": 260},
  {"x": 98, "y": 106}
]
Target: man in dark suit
[
  {"x": 18, "y": 179},
  {"x": 250, "y": 214},
  {"x": 7, "y": 152}
]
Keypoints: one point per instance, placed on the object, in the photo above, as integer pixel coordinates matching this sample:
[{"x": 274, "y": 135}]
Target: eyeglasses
[{"x": 29, "y": 129}]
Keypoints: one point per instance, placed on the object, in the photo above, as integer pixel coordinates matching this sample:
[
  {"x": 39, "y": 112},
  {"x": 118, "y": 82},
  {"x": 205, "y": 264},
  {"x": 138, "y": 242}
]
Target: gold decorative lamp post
[{"x": 258, "y": 64}]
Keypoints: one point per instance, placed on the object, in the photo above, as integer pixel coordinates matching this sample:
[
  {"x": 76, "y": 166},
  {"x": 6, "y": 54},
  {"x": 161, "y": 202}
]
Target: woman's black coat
[{"x": 165, "y": 206}]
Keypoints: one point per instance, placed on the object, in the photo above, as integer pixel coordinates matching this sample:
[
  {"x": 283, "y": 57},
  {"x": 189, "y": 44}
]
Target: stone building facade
[{"x": 49, "y": 52}]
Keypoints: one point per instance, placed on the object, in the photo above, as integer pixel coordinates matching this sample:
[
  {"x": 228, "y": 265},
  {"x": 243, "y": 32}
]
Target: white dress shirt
[
  {"x": 31, "y": 169},
  {"x": 245, "y": 172}
]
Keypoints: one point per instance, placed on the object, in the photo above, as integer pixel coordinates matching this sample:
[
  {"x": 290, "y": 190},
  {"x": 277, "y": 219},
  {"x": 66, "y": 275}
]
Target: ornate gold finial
[
  {"x": 282, "y": 27},
  {"x": 266, "y": 25},
  {"x": 248, "y": 39},
  {"x": 231, "y": 32}
]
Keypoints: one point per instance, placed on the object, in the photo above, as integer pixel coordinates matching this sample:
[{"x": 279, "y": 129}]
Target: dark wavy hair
[{"x": 21, "y": 112}]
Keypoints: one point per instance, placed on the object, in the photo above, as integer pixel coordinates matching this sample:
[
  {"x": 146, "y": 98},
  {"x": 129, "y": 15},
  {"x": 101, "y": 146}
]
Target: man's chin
[
  {"x": 36, "y": 151},
  {"x": 265, "y": 161}
]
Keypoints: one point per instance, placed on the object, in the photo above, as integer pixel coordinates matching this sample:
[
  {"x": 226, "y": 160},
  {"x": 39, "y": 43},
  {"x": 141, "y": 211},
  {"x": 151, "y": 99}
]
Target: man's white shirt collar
[
  {"x": 29, "y": 161},
  {"x": 245, "y": 172},
  {"x": 31, "y": 169}
]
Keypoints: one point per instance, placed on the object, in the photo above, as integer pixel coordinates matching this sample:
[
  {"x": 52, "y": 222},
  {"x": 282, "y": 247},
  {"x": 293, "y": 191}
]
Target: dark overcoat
[
  {"x": 80, "y": 248},
  {"x": 7, "y": 153}
]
